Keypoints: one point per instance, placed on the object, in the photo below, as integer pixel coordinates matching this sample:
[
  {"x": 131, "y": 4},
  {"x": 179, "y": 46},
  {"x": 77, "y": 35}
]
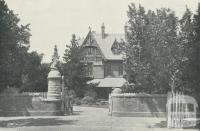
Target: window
[
  {"x": 108, "y": 69},
  {"x": 120, "y": 69},
  {"x": 90, "y": 51},
  {"x": 89, "y": 69}
]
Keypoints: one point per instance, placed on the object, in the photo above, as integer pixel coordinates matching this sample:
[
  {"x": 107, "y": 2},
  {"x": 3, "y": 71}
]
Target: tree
[
  {"x": 186, "y": 36},
  {"x": 197, "y": 24},
  {"x": 74, "y": 69},
  {"x": 152, "y": 50},
  {"x": 192, "y": 69},
  {"x": 35, "y": 73},
  {"x": 136, "y": 40},
  {"x": 14, "y": 43}
]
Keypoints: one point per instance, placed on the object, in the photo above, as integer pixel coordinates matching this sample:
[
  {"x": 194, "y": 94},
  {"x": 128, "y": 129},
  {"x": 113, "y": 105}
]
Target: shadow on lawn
[{"x": 36, "y": 122}]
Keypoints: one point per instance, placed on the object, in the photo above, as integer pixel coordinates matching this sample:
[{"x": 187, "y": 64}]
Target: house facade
[{"x": 103, "y": 60}]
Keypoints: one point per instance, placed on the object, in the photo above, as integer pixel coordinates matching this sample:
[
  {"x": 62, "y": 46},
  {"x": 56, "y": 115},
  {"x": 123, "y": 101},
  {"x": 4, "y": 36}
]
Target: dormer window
[{"x": 116, "y": 48}]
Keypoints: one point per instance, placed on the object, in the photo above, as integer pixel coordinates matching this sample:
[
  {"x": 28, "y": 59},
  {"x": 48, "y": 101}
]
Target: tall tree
[
  {"x": 186, "y": 36},
  {"x": 192, "y": 72},
  {"x": 14, "y": 43},
  {"x": 197, "y": 24},
  {"x": 152, "y": 49},
  {"x": 74, "y": 69}
]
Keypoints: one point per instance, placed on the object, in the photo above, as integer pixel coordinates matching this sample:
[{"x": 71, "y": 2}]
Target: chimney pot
[{"x": 103, "y": 31}]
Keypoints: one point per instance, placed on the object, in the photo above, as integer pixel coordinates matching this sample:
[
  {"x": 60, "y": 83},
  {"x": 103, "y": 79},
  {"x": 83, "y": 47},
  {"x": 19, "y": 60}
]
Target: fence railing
[{"x": 181, "y": 110}]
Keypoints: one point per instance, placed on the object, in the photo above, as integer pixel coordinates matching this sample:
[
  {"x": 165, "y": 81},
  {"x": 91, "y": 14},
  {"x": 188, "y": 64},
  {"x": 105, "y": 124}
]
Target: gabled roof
[{"x": 105, "y": 44}]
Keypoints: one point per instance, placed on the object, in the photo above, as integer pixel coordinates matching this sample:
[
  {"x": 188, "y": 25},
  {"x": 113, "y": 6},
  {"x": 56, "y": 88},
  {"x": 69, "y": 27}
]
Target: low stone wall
[
  {"x": 138, "y": 105},
  {"x": 27, "y": 105}
]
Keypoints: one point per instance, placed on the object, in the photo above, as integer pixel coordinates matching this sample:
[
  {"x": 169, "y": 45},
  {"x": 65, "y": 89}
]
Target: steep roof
[{"x": 106, "y": 43}]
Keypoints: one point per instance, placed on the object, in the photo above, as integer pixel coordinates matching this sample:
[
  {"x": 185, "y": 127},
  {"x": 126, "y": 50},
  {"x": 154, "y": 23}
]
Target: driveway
[{"x": 84, "y": 119}]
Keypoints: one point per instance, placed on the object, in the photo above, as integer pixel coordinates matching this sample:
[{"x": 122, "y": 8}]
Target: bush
[
  {"x": 72, "y": 92},
  {"x": 92, "y": 93},
  {"x": 77, "y": 101},
  {"x": 88, "y": 100}
]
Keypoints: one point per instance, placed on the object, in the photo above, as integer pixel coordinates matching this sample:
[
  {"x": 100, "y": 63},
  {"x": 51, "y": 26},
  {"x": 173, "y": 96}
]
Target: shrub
[
  {"x": 88, "y": 100},
  {"x": 77, "y": 101},
  {"x": 72, "y": 92},
  {"x": 92, "y": 93}
]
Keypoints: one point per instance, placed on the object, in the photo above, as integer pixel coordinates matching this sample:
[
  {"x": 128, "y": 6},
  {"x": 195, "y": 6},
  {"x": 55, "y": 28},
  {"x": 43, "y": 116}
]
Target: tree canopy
[
  {"x": 162, "y": 51},
  {"x": 73, "y": 69},
  {"x": 18, "y": 67}
]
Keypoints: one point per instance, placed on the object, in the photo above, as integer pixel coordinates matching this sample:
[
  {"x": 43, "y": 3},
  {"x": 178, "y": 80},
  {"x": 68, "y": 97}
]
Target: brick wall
[
  {"x": 138, "y": 105},
  {"x": 27, "y": 105}
]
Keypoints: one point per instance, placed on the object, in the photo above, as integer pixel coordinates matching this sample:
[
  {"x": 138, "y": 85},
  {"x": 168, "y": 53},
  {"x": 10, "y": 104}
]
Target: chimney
[
  {"x": 103, "y": 31},
  {"x": 126, "y": 31}
]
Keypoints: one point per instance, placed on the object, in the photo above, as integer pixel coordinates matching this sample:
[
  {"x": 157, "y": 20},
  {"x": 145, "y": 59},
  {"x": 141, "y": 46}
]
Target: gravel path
[{"x": 84, "y": 119}]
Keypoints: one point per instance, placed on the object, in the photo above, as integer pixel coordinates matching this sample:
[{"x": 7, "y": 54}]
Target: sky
[{"x": 54, "y": 21}]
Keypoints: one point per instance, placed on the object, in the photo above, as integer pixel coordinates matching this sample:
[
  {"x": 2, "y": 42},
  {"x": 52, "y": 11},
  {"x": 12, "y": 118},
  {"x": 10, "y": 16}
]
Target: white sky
[{"x": 54, "y": 21}]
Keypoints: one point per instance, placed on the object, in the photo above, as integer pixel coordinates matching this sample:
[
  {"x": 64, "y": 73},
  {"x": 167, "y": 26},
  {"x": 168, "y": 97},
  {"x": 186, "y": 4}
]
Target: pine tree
[{"x": 73, "y": 69}]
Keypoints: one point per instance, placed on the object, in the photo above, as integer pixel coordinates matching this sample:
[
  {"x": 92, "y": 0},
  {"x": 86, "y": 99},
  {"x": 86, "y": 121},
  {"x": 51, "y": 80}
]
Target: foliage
[
  {"x": 152, "y": 52},
  {"x": 128, "y": 88},
  {"x": 36, "y": 74},
  {"x": 88, "y": 100},
  {"x": 92, "y": 93},
  {"x": 191, "y": 75},
  {"x": 162, "y": 52},
  {"x": 73, "y": 69},
  {"x": 18, "y": 68},
  {"x": 14, "y": 43},
  {"x": 77, "y": 101}
]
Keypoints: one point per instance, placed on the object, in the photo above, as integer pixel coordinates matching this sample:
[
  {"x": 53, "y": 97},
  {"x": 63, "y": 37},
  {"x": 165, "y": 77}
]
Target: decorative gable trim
[{"x": 92, "y": 42}]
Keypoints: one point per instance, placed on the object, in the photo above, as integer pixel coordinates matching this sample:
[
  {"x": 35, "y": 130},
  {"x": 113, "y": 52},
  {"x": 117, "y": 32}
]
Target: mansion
[{"x": 103, "y": 60}]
